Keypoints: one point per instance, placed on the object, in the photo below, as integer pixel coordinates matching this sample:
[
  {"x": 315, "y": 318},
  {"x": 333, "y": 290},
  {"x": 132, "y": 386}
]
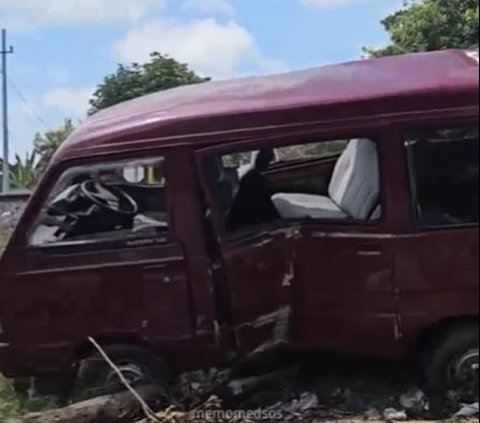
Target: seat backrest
[
  {"x": 355, "y": 184},
  {"x": 221, "y": 182},
  {"x": 229, "y": 182},
  {"x": 252, "y": 204},
  {"x": 263, "y": 159}
]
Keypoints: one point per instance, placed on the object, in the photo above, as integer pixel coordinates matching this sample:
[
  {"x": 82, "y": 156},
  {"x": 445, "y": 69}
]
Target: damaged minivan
[{"x": 332, "y": 209}]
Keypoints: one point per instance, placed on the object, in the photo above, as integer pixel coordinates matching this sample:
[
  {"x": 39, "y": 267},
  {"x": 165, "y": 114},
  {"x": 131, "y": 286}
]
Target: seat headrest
[
  {"x": 213, "y": 169},
  {"x": 263, "y": 159}
]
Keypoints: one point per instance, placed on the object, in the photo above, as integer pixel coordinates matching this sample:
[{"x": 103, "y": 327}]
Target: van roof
[{"x": 199, "y": 113}]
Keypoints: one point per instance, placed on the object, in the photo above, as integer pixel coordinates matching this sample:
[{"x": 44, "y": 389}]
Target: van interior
[
  {"x": 105, "y": 202},
  {"x": 334, "y": 180}
]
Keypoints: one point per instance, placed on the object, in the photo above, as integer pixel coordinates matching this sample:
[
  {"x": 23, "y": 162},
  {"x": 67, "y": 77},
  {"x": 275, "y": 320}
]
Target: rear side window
[
  {"x": 443, "y": 167},
  {"x": 118, "y": 203},
  {"x": 310, "y": 151}
]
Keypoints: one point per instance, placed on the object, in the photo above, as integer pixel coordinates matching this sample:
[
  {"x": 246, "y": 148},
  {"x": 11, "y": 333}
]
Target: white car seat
[{"x": 354, "y": 189}]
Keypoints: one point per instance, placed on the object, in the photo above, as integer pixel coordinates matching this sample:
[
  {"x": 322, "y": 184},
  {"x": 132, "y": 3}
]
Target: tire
[
  {"x": 95, "y": 377},
  {"x": 444, "y": 363}
]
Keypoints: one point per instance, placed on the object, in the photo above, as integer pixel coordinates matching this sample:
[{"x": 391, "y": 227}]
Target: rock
[
  {"x": 10, "y": 213},
  {"x": 250, "y": 384},
  {"x": 373, "y": 414},
  {"x": 467, "y": 410},
  {"x": 306, "y": 403},
  {"x": 353, "y": 401},
  {"x": 391, "y": 415},
  {"x": 414, "y": 400}
]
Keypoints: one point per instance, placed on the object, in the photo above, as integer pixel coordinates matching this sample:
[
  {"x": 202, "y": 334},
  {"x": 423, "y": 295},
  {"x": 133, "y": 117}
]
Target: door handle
[{"x": 370, "y": 249}]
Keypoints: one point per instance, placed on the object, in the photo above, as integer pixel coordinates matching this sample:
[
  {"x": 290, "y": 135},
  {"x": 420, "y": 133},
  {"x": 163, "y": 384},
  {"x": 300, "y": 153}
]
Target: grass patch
[
  {"x": 14, "y": 405},
  {"x": 10, "y": 403},
  {"x": 4, "y": 235}
]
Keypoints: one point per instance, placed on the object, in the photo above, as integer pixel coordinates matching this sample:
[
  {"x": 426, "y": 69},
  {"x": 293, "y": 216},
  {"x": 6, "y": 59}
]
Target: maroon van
[{"x": 333, "y": 208}]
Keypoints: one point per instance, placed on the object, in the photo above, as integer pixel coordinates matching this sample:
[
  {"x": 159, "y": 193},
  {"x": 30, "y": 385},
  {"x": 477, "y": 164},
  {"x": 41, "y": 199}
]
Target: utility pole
[{"x": 6, "y": 167}]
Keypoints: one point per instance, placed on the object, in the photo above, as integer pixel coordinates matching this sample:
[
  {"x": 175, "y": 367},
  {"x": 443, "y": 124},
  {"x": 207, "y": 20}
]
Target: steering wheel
[{"x": 109, "y": 198}]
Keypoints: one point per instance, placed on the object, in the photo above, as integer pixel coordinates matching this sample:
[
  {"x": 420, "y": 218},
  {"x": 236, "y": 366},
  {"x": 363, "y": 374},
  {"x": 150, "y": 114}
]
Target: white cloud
[
  {"x": 211, "y": 48},
  {"x": 22, "y": 13},
  {"x": 72, "y": 102},
  {"x": 210, "y": 6}
]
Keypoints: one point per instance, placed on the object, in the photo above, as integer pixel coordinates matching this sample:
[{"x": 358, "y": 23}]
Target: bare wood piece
[{"x": 118, "y": 408}]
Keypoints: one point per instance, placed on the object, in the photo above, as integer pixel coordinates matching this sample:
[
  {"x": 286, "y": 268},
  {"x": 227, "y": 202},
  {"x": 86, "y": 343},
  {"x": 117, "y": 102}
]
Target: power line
[{"x": 27, "y": 105}]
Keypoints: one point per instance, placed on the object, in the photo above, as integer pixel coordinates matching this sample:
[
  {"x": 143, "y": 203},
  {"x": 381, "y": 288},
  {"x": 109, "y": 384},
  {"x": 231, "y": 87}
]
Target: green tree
[
  {"x": 23, "y": 173},
  {"x": 428, "y": 25},
  {"x": 45, "y": 145},
  {"x": 135, "y": 80}
]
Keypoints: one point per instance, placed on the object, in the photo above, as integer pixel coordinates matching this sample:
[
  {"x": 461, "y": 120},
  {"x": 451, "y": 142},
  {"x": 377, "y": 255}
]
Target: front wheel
[
  {"x": 95, "y": 377},
  {"x": 453, "y": 363}
]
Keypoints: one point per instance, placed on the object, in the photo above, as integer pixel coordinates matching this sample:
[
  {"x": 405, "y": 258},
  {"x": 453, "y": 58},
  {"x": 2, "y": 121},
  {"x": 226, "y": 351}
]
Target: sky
[{"x": 64, "y": 48}]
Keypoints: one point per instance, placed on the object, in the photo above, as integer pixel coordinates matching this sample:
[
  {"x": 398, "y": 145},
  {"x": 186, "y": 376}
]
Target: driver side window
[{"x": 117, "y": 204}]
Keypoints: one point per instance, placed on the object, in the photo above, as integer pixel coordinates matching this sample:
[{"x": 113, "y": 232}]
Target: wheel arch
[
  {"x": 432, "y": 334},
  {"x": 87, "y": 349}
]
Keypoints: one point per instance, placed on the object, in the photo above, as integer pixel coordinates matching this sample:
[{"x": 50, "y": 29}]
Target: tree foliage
[
  {"x": 128, "y": 82},
  {"x": 23, "y": 173},
  {"x": 135, "y": 80},
  {"x": 45, "y": 145},
  {"x": 428, "y": 25}
]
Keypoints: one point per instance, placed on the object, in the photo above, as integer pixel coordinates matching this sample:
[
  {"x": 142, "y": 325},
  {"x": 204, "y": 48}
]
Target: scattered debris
[
  {"x": 307, "y": 402},
  {"x": 467, "y": 410},
  {"x": 392, "y": 415},
  {"x": 373, "y": 414},
  {"x": 10, "y": 213},
  {"x": 295, "y": 393},
  {"x": 414, "y": 400},
  {"x": 242, "y": 386},
  {"x": 194, "y": 387}
]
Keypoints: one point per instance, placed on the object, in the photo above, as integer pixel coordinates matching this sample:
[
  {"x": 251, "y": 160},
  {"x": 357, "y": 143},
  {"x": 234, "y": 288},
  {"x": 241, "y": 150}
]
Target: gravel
[{"x": 10, "y": 213}]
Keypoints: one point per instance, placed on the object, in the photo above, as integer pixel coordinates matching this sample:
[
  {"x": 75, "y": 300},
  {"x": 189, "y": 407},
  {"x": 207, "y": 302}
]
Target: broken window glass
[
  {"x": 323, "y": 180},
  {"x": 443, "y": 165},
  {"x": 121, "y": 202}
]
